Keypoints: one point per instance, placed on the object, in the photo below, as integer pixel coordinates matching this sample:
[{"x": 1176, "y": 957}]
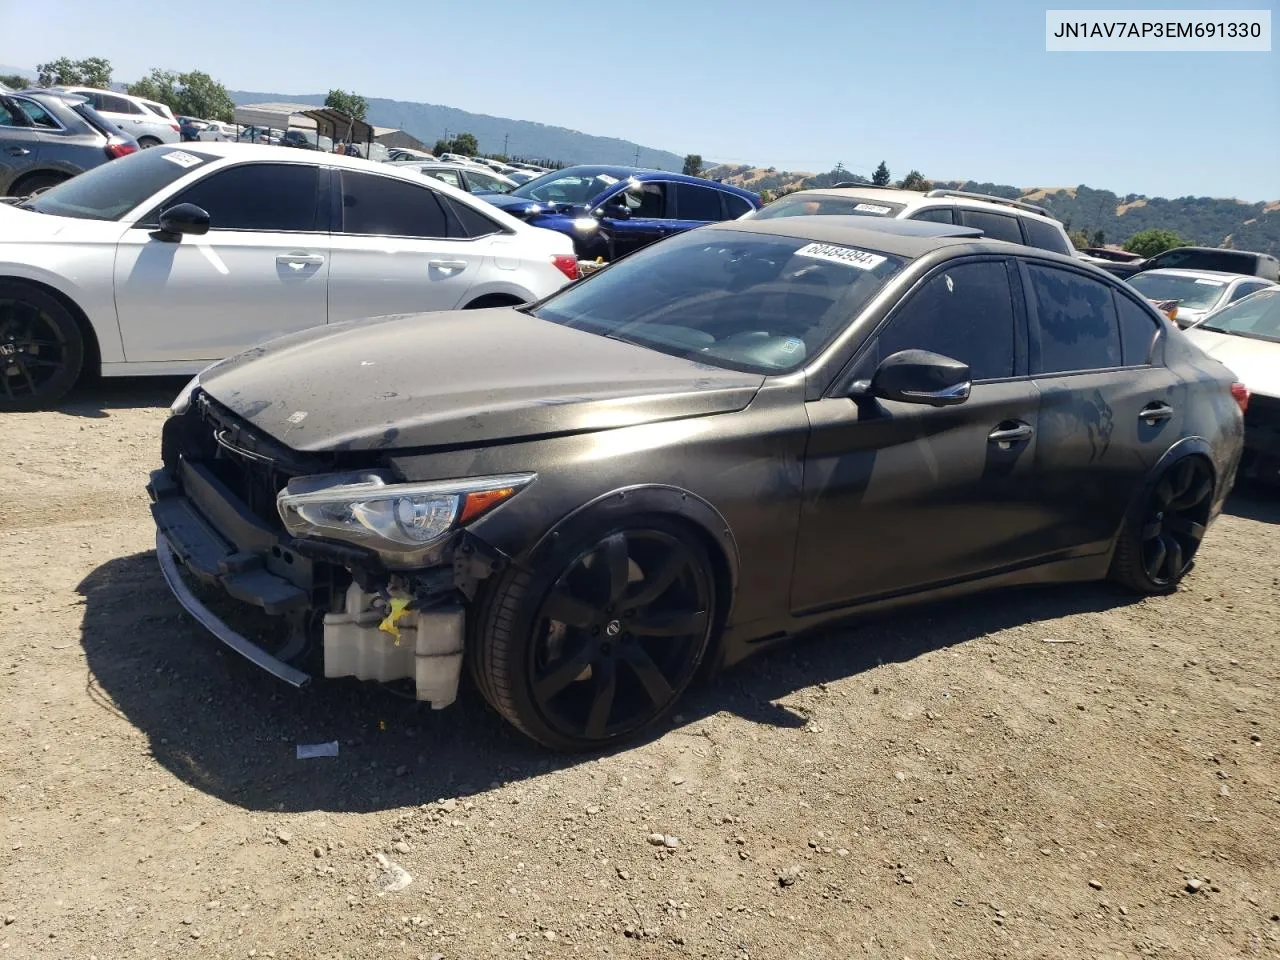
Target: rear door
[
  {"x": 393, "y": 251},
  {"x": 696, "y": 206},
  {"x": 899, "y": 497},
  {"x": 1108, "y": 410},
  {"x": 259, "y": 272},
  {"x": 649, "y": 204},
  {"x": 19, "y": 143}
]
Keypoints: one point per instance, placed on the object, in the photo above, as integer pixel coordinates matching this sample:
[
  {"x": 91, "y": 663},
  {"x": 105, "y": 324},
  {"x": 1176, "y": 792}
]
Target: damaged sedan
[{"x": 732, "y": 436}]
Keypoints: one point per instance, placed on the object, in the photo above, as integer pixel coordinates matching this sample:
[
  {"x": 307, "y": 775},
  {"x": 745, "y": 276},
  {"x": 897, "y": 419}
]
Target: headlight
[{"x": 398, "y": 520}]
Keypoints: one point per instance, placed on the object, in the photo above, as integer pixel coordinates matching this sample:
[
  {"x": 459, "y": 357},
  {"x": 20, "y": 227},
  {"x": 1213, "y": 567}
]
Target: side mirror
[
  {"x": 185, "y": 218},
  {"x": 918, "y": 376},
  {"x": 617, "y": 211}
]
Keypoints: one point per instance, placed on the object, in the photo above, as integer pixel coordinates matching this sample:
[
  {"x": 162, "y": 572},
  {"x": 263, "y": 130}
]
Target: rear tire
[
  {"x": 35, "y": 183},
  {"x": 1158, "y": 543},
  {"x": 146, "y": 143},
  {"x": 602, "y": 640},
  {"x": 494, "y": 300},
  {"x": 42, "y": 348}
]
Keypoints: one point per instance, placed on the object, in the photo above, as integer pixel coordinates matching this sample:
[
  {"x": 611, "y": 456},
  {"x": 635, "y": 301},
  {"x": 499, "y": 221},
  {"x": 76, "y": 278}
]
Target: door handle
[
  {"x": 299, "y": 260},
  {"x": 1155, "y": 412},
  {"x": 448, "y": 264},
  {"x": 18, "y": 151},
  {"x": 1009, "y": 433}
]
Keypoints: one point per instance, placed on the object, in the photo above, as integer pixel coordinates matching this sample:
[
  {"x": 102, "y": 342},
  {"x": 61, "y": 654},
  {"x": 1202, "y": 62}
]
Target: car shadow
[
  {"x": 230, "y": 730},
  {"x": 1255, "y": 500},
  {"x": 95, "y": 398}
]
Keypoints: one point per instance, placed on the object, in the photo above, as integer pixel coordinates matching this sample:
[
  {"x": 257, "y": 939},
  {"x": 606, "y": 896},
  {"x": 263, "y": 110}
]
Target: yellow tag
[{"x": 390, "y": 623}]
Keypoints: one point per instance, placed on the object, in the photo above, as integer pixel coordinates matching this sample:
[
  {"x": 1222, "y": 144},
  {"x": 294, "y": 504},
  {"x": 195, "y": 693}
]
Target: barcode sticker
[{"x": 849, "y": 256}]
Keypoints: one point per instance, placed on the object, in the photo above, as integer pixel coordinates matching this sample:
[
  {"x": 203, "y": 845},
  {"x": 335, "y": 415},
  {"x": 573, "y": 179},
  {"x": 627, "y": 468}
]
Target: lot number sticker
[
  {"x": 183, "y": 159},
  {"x": 862, "y": 259},
  {"x": 871, "y": 208}
]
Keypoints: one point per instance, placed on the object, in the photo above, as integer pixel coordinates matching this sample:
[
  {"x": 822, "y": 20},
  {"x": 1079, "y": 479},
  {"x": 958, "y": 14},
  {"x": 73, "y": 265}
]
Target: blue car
[{"x": 611, "y": 211}]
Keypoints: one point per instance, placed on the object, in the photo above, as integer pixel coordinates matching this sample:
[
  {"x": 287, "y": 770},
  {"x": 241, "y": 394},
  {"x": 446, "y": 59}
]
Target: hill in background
[
  {"x": 428, "y": 122},
  {"x": 1203, "y": 221}
]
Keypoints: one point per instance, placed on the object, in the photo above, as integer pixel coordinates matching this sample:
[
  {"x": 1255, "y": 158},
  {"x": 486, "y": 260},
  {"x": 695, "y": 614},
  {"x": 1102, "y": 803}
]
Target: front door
[
  {"x": 19, "y": 143},
  {"x": 648, "y": 205},
  {"x": 1107, "y": 413},
  {"x": 260, "y": 271},
  {"x": 902, "y": 496},
  {"x": 393, "y": 251}
]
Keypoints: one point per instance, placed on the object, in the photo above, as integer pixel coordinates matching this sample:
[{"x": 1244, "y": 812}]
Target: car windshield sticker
[
  {"x": 850, "y": 257},
  {"x": 872, "y": 208},
  {"x": 607, "y": 180},
  {"x": 182, "y": 158},
  {"x": 791, "y": 345},
  {"x": 1209, "y": 283}
]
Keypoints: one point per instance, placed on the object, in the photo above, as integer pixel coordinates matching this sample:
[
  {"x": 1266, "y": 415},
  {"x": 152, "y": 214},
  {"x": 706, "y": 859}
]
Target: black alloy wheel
[
  {"x": 602, "y": 644},
  {"x": 1158, "y": 549},
  {"x": 41, "y": 349},
  {"x": 621, "y": 632}
]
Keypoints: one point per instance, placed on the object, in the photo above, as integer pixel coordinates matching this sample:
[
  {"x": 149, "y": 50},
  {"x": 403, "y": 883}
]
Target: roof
[
  {"x": 868, "y": 192},
  {"x": 643, "y": 174},
  {"x": 1226, "y": 276},
  {"x": 270, "y": 152},
  {"x": 855, "y": 231},
  {"x": 912, "y": 197}
]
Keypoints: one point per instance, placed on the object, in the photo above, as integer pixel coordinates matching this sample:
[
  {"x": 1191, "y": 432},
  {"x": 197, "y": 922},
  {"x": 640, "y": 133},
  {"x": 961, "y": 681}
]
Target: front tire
[
  {"x": 603, "y": 641},
  {"x": 41, "y": 348},
  {"x": 1161, "y": 536},
  {"x": 36, "y": 182},
  {"x": 146, "y": 143}
]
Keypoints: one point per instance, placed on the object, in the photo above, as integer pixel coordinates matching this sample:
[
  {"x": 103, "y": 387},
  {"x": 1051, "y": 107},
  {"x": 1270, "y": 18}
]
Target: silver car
[
  {"x": 146, "y": 124},
  {"x": 47, "y": 137},
  {"x": 1198, "y": 293}
]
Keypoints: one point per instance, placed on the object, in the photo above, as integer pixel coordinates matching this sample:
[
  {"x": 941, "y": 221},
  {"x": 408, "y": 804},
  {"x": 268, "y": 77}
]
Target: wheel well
[
  {"x": 15, "y": 187},
  {"x": 494, "y": 300},
  {"x": 723, "y": 580},
  {"x": 92, "y": 353}
]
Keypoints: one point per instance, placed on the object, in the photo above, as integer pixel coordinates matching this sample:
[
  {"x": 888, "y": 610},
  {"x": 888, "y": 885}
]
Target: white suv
[
  {"x": 996, "y": 217},
  {"x": 148, "y": 122}
]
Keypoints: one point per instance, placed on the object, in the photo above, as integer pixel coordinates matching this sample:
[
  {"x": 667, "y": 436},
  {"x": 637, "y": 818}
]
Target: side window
[
  {"x": 1244, "y": 289},
  {"x": 118, "y": 105},
  {"x": 446, "y": 176},
  {"x": 1137, "y": 331},
  {"x": 483, "y": 181},
  {"x": 40, "y": 117},
  {"x": 1045, "y": 236},
  {"x": 1076, "y": 318},
  {"x": 646, "y": 200},
  {"x": 468, "y": 222},
  {"x": 996, "y": 226},
  {"x": 383, "y": 206},
  {"x": 934, "y": 215},
  {"x": 697, "y": 203},
  {"x": 964, "y": 312},
  {"x": 735, "y": 206},
  {"x": 269, "y": 197},
  {"x": 9, "y": 115}
]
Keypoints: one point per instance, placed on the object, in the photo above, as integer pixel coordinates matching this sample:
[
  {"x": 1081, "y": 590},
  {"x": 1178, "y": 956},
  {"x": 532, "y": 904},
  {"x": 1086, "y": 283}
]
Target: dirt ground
[{"x": 1047, "y": 773}]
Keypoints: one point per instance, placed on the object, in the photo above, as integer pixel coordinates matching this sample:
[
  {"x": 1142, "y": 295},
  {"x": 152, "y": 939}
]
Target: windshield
[
  {"x": 567, "y": 186},
  {"x": 1194, "y": 293},
  {"x": 1257, "y": 316},
  {"x": 110, "y": 191},
  {"x": 745, "y": 301},
  {"x": 813, "y": 204},
  {"x": 1226, "y": 260}
]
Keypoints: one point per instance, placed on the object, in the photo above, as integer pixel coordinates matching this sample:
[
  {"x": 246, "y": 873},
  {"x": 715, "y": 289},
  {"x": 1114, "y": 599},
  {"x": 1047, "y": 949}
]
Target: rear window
[
  {"x": 110, "y": 191},
  {"x": 744, "y": 301},
  {"x": 817, "y": 205},
  {"x": 1227, "y": 261},
  {"x": 1046, "y": 236},
  {"x": 1194, "y": 293},
  {"x": 97, "y": 120}
]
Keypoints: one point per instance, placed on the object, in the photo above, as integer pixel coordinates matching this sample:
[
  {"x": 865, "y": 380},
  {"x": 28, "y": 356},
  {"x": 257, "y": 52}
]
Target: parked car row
[{"x": 49, "y": 136}]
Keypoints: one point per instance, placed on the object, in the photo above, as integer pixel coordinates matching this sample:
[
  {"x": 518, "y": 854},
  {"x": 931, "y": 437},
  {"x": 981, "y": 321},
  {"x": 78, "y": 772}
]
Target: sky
[{"x": 956, "y": 90}]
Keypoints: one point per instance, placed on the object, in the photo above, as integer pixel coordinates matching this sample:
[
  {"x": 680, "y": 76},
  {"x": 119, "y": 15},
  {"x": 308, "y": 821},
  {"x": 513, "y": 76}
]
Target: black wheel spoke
[
  {"x": 653, "y": 587},
  {"x": 26, "y": 375},
  {"x": 650, "y": 677},
  {"x": 606, "y": 688},
  {"x": 678, "y": 623},
  {"x": 569, "y": 610},
  {"x": 1156, "y": 562},
  {"x": 1163, "y": 492},
  {"x": 613, "y": 553},
  {"x": 1152, "y": 530},
  {"x": 1174, "y": 561},
  {"x": 1195, "y": 494},
  {"x": 1181, "y": 478},
  {"x": 561, "y": 675},
  {"x": 1187, "y": 528}
]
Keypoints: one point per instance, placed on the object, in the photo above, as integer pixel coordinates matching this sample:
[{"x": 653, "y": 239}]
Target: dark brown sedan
[{"x": 740, "y": 433}]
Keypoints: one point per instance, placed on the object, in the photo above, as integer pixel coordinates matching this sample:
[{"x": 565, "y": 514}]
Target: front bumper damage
[{"x": 205, "y": 534}]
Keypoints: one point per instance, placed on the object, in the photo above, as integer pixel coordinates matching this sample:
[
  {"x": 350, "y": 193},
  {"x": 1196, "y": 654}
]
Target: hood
[
  {"x": 18, "y": 225},
  {"x": 1255, "y": 362},
  {"x": 520, "y": 207},
  {"x": 460, "y": 378}
]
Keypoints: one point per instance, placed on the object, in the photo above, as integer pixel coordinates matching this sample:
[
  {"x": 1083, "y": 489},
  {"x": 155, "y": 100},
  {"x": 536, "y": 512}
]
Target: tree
[
  {"x": 1079, "y": 239},
  {"x": 1099, "y": 239},
  {"x": 89, "y": 72},
  {"x": 194, "y": 94},
  {"x": 442, "y": 146},
  {"x": 466, "y": 144},
  {"x": 15, "y": 81},
  {"x": 1148, "y": 243},
  {"x": 693, "y": 165},
  {"x": 914, "y": 181},
  {"x": 881, "y": 177},
  {"x": 352, "y": 104}
]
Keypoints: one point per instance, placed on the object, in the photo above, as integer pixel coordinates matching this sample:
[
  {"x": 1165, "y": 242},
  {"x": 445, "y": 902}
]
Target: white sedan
[{"x": 171, "y": 258}]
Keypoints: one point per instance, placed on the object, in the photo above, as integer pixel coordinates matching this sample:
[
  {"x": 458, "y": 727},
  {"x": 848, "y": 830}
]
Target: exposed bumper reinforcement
[{"x": 240, "y": 644}]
